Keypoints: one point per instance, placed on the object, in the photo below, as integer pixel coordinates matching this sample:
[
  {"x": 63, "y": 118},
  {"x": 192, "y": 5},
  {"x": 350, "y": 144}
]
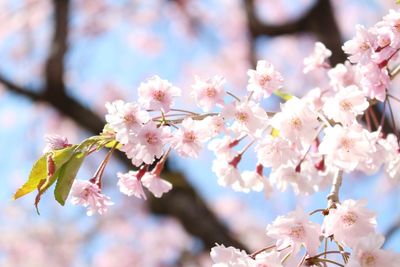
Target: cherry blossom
[
  {"x": 155, "y": 184},
  {"x": 276, "y": 151},
  {"x": 368, "y": 253},
  {"x": 318, "y": 58},
  {"x": 344, "y": 147},
  {"x": 208, "y": 93},
  {"x": 229, "y": 256},
  {"x": 248, "y": 117},
  {"x": 264, "y": 80},
  {"x": 349, "y": 222},
  {"x": 188, "y": 140},
  {"x": 296, "y": 121},
  {"x": 374, "y": 81},
  {"x": 88, "y": 194},
  {"x": 147, "y": 144},
  {"x": 125, "y": 118},
  {"x": 130, "y": 183},
  {"x": 360, "y": 47},
  {"x": 295, "y": 230},
  {"x": 228, "y": 174},
  {"x": 157, "y": 94},
  {"x": 55, "y": 142},
  {"x": 345, "y": 105}
]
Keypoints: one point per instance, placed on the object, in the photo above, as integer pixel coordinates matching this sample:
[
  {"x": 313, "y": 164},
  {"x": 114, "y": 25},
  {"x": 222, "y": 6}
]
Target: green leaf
[
  {"x": 59, "y": 157},
  {"x": 67, "y": 176},
  {"x": 282, "y": 95},
  {"x": 38, "y": 172}
]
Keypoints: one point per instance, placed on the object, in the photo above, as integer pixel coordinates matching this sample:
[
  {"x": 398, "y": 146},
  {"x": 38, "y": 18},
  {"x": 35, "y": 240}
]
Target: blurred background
[{"x": 61, "y": 60}]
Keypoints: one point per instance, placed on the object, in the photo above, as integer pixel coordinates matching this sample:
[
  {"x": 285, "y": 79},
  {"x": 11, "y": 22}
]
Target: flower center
[
  {"x": 368, "y": 260},
  {"x": 242, "y": 116},
  {"x": 210, "y": 92},
  {"x": 347, "y": 144},
  {"x": 151, "y": 138},
  {"x": 349, "y": 218},
  {"x": 159, "y": 95},
  {"x": 264, "y": 79},
  {"x": 189, "y": 137},
  {"x": 129, "y": 118},
  {"x": 364, "y": 46},
  {"x": 296, "y": 123},
  {"x": 297, "y": 232},
  {"x": 346, "y": 105}
]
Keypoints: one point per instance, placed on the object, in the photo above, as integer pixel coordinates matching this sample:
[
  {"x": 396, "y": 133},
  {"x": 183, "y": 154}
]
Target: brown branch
[
  {"x": 11, "y": 86},
  {"x": 54, "y": 68},
  {"x": 318, "y": 20}
]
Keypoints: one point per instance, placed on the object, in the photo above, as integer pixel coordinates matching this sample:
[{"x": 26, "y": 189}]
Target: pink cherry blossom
[
  {"x": 296, "y": 121},
  {"x": 248, "y": 117},
  {"x": 155, "y": 184},
  {"x": 147, "y": 144},
  {"x": 89, "y": 195},
  {"x": 302, "y": 182},
  {"x": 268, "y": 259},
  {"x": 360, "y": 47},
  {"x": 228, "y": 174},
  {"x": 344, "y": 147},
  {"x": 345, "y": 105},
  {"x": 349, "y": 222},
  {"x": 215, "y": 125},
  {"x": 252, "y": 181},
  {"x": 125, "y": 118},
  {"x": 208, "y": 93},
  {"x": 188, "y": 140},
  {"x": 223, "y": 147},
  {"x": 229, "y": 256},
  {"x": 130, "y": 183},
  {"x": 368, "y": 253},
  {"x": 264, "y": 80},
  {"x": 374, "y": 81},
  {"x": 392, "y": 156},
  {"x": 157, "y": 94},
  {"x": 55, "y": 142},
  {"x": 342, "y": 75},
  {"x": 294, "y": 230},
  {"x": 276, "y": 151},
  {"x": 318, "y": 59}
]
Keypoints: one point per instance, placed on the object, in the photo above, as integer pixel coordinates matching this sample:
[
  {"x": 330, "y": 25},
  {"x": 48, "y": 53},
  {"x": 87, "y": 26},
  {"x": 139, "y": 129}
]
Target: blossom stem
[
  {"x": 393, "y": 120},
  {"x": 184, "y": 111},
  {"x": 394, "y": 72},
  {"x": 331, "y": 261},
  {"x": 333, "y": 196},
  {"x": 317, "y": 210},
  {"x": 254, "y": 254},
  {"x": 331, "y": 252},
  {"x": 232, "y": 95},
  {"x": 344, "y": 255},
  {"x": 383, "y": 113},
  {"x": 374, "y": 118}
]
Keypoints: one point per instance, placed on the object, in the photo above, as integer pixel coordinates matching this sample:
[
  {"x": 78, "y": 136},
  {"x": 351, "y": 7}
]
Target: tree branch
[
  {"x": 54, "y": 68},
  {"x": 11, "y": 86},
  {"x": 318, "y": 20}
]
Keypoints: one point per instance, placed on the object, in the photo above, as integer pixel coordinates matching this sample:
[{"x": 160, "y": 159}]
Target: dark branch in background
[
  {"x": 182, "y": 202},
  {"x": 320, "y": 21},
  {"x": 391, "y": 231}
]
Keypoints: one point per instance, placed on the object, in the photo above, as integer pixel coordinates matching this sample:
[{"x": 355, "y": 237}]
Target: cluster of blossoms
[{"x": 308, "y": 145}]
